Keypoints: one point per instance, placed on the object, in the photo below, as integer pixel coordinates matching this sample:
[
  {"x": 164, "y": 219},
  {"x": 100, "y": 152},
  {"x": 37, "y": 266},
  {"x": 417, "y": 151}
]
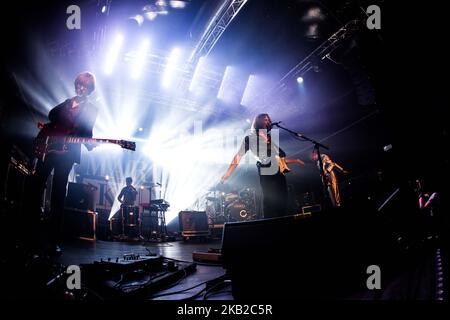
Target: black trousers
[
  {"x": 62, "y": 165},
  {"x": 275, "y": 193}
]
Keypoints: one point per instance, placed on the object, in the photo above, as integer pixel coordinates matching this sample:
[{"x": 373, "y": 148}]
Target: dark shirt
[
  {"x": 129, "y": 195},
  {"x": 77, "y": 122}
]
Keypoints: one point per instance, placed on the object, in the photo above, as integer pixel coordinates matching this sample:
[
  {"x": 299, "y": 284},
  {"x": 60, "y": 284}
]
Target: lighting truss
[
  {"x": 217, "y": 25},
  {"x": 316, "y": 56}
]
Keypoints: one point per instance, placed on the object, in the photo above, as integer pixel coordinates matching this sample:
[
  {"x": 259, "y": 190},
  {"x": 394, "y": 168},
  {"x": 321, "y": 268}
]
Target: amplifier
[
  {"x": 213, "y": 257},
  {"x": 80, "y": 196},
  {"x": 193, "y": 223},
  {"x": 81, "y": 224},
  {"x": 311, "y": 208}
]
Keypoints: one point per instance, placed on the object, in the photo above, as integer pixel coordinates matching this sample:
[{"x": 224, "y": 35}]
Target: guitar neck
[{"x": 89, "y": 140}]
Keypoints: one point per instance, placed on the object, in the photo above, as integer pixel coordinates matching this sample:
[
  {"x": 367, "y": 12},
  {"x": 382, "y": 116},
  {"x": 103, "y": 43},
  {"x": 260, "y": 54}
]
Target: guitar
[
  {"x": 54, "y": 140},
  {"x": 283, "y": 164}
]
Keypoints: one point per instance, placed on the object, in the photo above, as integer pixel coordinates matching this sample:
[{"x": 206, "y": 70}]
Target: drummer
[
  {"x": 231, "y": 196},
  {"x": 127, "y": 196}
]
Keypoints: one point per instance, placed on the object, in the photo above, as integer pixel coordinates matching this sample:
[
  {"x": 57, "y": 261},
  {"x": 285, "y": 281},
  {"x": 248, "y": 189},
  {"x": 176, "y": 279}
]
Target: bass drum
[{"x": 240, "y": 211}]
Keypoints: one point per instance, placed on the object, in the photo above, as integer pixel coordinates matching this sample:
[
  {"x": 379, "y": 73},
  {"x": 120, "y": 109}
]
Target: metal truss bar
[{"x": 217, "y": 25}]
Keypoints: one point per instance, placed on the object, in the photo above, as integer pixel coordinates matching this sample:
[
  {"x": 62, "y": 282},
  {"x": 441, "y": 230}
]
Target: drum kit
[
  {"x": 126, "y": 223},
  {"x": 130, "y": 224},
  {"x": 232, "y": 206}
]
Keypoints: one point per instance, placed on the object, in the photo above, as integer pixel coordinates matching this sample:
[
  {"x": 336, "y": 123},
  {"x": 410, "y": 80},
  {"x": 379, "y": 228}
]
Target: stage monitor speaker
[
  {"x": 193, "y": 223},
  {"x": 80, "y": 196},
  {"x": 103, "y": 224},
  {"x": 81, "y": 224},
  {"x": 321, "y": 256}
]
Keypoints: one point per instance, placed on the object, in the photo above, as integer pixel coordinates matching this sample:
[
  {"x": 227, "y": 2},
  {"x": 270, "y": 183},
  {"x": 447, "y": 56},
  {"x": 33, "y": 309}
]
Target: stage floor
[{"x": 86, "y": 252}]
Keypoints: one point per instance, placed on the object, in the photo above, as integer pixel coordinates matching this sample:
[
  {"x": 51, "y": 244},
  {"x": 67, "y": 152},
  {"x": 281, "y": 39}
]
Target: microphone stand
[{"x": 317, "y": 146}]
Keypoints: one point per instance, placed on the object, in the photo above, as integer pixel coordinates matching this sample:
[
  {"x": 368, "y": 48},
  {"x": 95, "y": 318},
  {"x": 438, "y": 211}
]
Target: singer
[
  {"x": 273, "y": 183},
  {"x": 128, "y": 193}
]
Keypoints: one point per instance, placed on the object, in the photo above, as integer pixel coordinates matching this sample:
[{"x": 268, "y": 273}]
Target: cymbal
[
  {"x": 153, "y": 185},
  {"x": 218, "y": 187}
]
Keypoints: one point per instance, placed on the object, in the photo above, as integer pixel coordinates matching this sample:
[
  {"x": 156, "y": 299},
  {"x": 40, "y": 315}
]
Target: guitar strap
[{"x": 81, "y": 109}]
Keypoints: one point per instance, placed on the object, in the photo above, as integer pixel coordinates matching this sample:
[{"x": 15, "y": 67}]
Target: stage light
[
  {"x": 141, "y": 129},
  {"x": 177, "y": 4},
  {"x": 161, "y": 6},
  {"x": 232, "y": 86},
  {"x": 187, "y": 175},
  {"x": 196, "y": 76},
  {"x": 313, "y": 19},
  {"x": 103, "y": 9},
  {"x": 224, "y": 83},
  {"x": 255, "y": 85},
  {"x": 313, "y": 31},
  {"x": 139, "y": 62},
  {"x": 113, "y": 54},
  {"x": 138, "y": 18},
  {"x": 151, "y": 15},
  {"x": 300, "y": 80},
  {"x": 171, "y": 65},
  {"x": 314, "y": 14}
]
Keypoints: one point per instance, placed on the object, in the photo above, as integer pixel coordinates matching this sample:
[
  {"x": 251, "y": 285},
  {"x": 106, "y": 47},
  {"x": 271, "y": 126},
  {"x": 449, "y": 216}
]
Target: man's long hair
[{"x": 258, "y": 122}]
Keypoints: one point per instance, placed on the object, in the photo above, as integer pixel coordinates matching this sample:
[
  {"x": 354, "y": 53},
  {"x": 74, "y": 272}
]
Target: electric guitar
[
  {"x": 52, "y": 139},
  {"x": 282, "y": 162}
]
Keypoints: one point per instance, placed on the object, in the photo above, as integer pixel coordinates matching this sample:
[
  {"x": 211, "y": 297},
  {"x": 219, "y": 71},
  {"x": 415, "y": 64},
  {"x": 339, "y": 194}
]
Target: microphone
[{"x": 273, "y": 124}]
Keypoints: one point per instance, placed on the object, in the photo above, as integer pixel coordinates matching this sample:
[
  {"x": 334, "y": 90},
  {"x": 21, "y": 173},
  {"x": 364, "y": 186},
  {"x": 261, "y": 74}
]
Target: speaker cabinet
[
  {"x": 81, "y": 224},
  {"x": 80, "y": 196},
  {"x": 193, "y": 223},
  {"x": 321, "y": 256}
]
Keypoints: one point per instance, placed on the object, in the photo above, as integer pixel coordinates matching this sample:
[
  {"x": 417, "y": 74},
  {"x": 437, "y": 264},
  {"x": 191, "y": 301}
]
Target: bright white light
[
  {"x": 113, "y": 54},
  {"x": 196, "y": 76},
  {"x": 315, "y": 13},
  {"x": 224, "y": 83},
  {"x": 250, "y": 91},
  {"x": 187, "y": 175},
  {"x": 171, "y": 66},
  {"x": 103, "y": 9},
  {"x": 139, "y": 62},
  {"x": 151, "y": 15},
  {"x": 313, "y": 31},
  {"x": 141, "y": 129},
  {"x": 139, "y": 19},
  {"x": 176, "y": 4},
  {"x": 299, "y": 80}
]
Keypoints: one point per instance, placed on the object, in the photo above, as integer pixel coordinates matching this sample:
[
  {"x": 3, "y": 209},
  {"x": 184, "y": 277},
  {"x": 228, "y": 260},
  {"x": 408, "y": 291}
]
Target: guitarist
[
  {"x": 330, "y": 179},
  {"x": 273, "y": 182},
  {"x": 74, "y": 117}
]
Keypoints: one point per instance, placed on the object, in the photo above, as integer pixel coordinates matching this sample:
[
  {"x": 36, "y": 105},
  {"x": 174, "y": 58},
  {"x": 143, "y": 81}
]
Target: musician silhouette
[
  {"x": 127, "y": 195},
  {"x": 330, "y": 178},
  {"x": 74, "y": 117}
]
